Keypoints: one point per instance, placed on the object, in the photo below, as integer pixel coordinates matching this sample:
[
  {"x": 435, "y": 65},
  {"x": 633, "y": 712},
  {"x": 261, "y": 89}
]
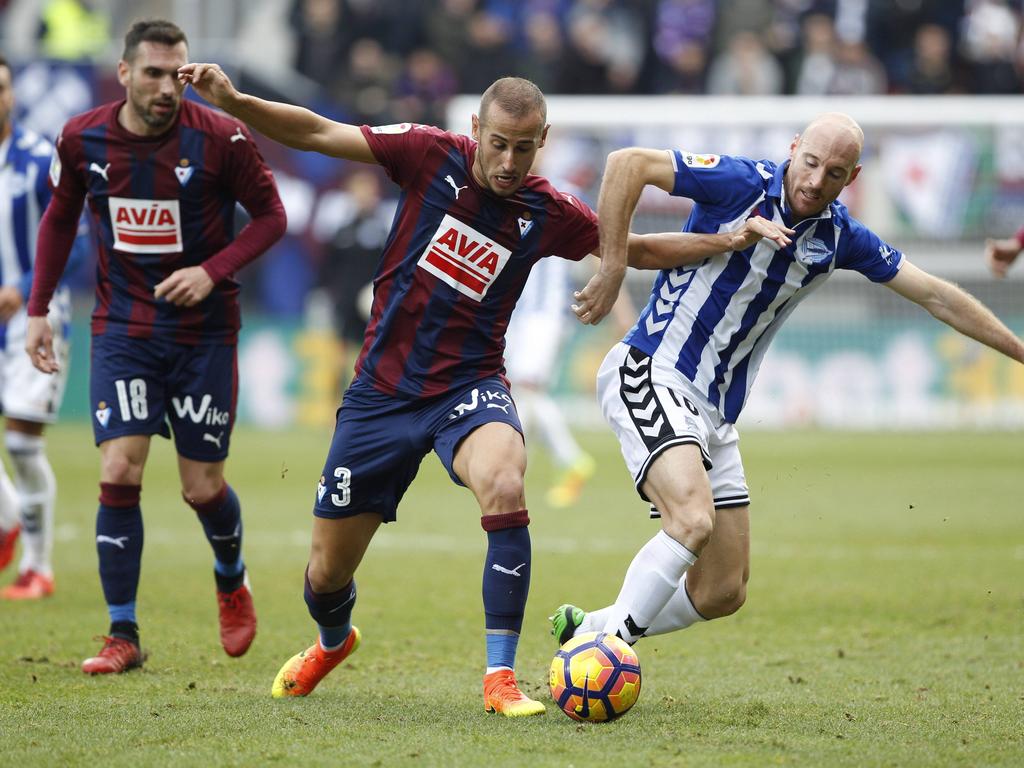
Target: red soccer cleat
[
  {"x": 30, "y": 585},
  {"x": 117, "y": 655},
  {"x": 7, "y": 541},
  {"x": 237, "y": 619}
]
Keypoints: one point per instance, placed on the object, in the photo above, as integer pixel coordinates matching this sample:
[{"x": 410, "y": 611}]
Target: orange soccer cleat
[
  {"x": 502, "y": 694},
  {"x": 301, "y": 673},
  {"x": 117, "y": 655},
  {"x": 30, "y": 585},
  {"x": 237, "y": 619}
]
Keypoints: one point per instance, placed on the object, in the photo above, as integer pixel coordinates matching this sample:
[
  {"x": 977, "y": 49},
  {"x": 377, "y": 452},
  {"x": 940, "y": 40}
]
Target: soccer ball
[{"x": 595, "y": 677}]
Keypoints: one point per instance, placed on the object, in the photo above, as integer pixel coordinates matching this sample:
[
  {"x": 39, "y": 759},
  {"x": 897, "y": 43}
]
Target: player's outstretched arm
[
  {"x": 957, "y": 309},
  {"x": 626, "y": 173},
  {"x": 1000, "y": 254},
  {"x": 294, "y": 126},
  {"x": 666, "y": 250}
]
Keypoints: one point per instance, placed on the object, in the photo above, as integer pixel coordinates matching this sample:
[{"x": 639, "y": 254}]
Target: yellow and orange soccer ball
[{"x": 595, "y": 677}]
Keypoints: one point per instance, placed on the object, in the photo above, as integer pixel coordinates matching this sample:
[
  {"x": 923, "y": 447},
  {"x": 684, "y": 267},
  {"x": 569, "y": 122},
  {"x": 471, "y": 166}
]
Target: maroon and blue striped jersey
[
  {"x": 455, "y": 262},
  {"x": 161, "y": 203}
]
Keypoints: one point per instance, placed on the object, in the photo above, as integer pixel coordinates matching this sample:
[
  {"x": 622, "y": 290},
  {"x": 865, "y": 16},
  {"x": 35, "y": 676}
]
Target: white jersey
[{"x": 713, "y": 321}]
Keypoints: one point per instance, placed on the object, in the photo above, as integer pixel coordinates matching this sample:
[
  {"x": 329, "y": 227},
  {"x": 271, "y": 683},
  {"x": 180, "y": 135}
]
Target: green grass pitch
[{"x": 884, "y": 623}]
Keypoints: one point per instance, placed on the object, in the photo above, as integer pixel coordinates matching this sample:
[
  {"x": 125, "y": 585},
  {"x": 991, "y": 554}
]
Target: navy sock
[
  {"x": 119, "y": 546},
  {"x": 506, "y": 584},
  {"x": 332, "y": 612},
  {"x": 221, "y": 518}
]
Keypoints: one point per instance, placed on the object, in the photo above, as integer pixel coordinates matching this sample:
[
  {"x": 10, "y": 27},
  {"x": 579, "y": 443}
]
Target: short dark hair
[
  {"x": 3, "y": 62},
  {"x": 151, "y": 31},
  {"x": 515, "y": 95}
]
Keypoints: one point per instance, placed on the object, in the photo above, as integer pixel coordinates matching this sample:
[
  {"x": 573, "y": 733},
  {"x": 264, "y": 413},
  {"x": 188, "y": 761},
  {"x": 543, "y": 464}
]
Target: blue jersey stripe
[{"x": 712, "y": 312}]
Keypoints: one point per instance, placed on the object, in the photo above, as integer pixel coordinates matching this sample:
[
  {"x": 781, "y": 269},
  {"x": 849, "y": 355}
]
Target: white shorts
[
  {"x": 531, "y": 347},
  {"x": 27, "y": 393},
  {"x": 652, "y": 408}
]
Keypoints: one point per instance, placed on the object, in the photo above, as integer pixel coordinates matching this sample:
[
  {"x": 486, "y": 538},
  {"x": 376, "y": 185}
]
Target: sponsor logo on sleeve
[
  {"x": 393, "y": 128},
  {"x": 693, "y": 160},
  {"x": 55, "y": 169},
  {"x": 463, "y": 258},
  {"x": 145, "y": 226}
]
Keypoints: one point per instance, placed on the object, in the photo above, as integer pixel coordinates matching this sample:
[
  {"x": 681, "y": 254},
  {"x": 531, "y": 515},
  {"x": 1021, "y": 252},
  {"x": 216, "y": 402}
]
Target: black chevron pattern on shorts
[{"x": 637, "y": 392}]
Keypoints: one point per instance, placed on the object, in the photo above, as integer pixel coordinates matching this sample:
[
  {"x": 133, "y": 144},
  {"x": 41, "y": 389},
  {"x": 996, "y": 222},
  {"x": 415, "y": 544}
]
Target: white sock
[
  {"x": 651, "y": 580},
  {"x": 8, "y": 502},
  {"x": 678, "y": 613},
  {"x": 37, "y": 495},
  {"x": 555, "y": 430}
]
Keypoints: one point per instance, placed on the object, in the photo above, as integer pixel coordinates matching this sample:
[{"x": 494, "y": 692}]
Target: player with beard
[
  {"x": 162, "y": 177},
  {"x": 470, "y": 224}
]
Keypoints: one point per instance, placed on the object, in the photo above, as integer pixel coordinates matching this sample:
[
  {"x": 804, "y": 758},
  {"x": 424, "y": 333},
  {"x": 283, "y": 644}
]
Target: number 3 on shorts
[{"x": 344, "y": 477}]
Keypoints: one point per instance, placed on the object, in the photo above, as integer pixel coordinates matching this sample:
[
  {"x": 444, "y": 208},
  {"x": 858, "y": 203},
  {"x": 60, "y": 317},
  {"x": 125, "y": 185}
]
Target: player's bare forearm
[
  {"x": 957, "y": 309},
  {"x": 287, "y": 124},
  {"x": 626, "y": 173},
  {"x": 666, "y": 250}
]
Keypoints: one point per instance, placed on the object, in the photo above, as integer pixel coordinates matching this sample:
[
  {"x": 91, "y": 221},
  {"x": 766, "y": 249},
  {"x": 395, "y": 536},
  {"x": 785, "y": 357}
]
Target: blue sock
[
  {"x": 221, "y": 518},
  {"x": 506, "y": 583},
  {"x": 119, "y": 546},
  {"x": 332, "y": 612}
]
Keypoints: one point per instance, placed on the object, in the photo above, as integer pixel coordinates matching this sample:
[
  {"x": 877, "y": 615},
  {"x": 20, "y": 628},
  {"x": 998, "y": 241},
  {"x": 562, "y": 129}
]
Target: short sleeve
[
  {"x": 579, "y": 235},
  {"x": 867, "y": 253},
  {"x": 719, "y": 181},
  {"x": 400, "y": 148}
]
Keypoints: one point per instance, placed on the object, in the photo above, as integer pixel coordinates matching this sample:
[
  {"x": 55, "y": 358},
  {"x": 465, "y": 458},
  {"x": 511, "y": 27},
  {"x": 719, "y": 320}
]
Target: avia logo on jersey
[
  {"x": 145, "y": 226},
  {"x": 700, "y": 161},
  {"x": 463, "y": 258},
  {"x": 204, "y": 414}
]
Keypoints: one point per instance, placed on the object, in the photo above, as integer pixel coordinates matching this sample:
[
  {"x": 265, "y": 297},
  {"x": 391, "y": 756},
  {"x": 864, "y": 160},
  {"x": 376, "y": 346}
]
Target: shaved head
[
  {"x": 822, "y": 160},
  {"x": 838, "y": 130}
]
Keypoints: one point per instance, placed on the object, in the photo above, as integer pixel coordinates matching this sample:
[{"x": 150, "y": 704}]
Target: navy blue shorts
[
  {"x": 380, "y": 440},
  {"x": 151, "y": 386}
]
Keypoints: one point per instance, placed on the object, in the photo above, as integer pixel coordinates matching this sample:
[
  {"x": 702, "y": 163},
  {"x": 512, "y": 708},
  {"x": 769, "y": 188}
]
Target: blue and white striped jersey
[
  {"x": 713, "y": 321},
  {"x": 24, "y": 195}
]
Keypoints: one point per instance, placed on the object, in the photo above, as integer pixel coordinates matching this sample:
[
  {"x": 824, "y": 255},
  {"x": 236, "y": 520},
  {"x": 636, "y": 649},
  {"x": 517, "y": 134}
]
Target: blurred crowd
[
  {"x": 397, "y": 60},
  {"x": 386, "y": 61},
  {"x": 389, "y": 60}
]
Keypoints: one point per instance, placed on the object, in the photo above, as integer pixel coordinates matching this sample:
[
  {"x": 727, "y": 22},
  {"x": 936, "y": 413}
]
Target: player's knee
[
  {"x": 202, "y": 490},
  {"x": 690, "y": 525},
  {"x": 328, "y": 570},
  {"x": 502, "y": 490},
  {"x": 725, "y": 598},
  {"x": 120, "y": 469}
]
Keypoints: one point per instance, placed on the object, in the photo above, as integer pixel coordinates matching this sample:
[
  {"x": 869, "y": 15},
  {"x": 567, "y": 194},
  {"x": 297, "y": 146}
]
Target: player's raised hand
[
  {"x": 39, "y": 344},
  {"x": 597, "y": 297},
  {"x": 210, "y": 82},
  {"x": 1000, "y": 254},
  {"x": 757, "y": 227},
  {"x": 185, "y": 287}
]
